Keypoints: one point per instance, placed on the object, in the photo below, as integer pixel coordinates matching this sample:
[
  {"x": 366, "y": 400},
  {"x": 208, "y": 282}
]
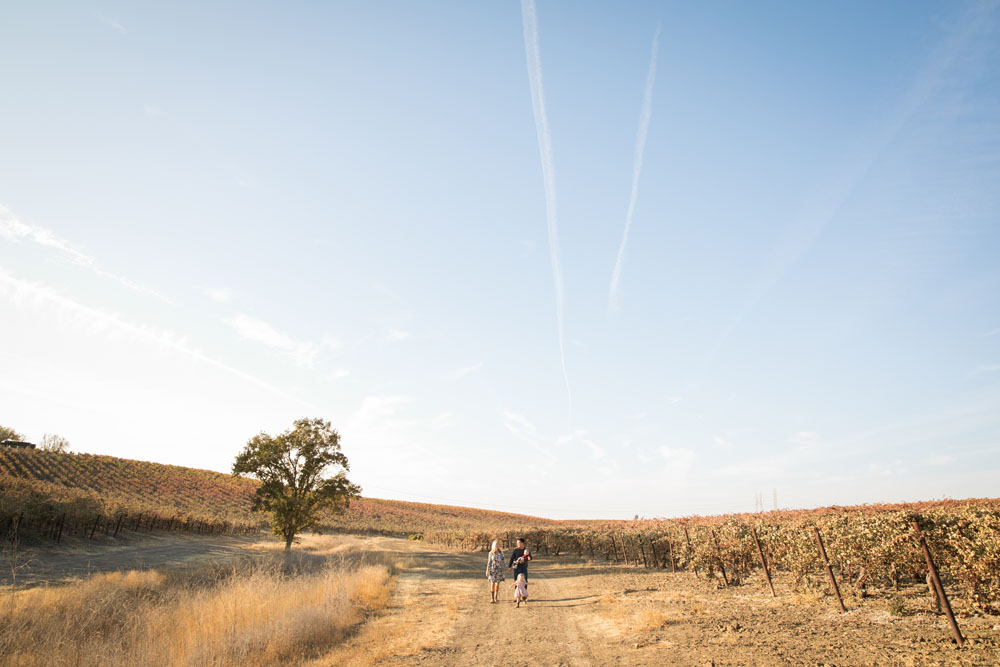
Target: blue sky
[{"x": 406, "y": 218}]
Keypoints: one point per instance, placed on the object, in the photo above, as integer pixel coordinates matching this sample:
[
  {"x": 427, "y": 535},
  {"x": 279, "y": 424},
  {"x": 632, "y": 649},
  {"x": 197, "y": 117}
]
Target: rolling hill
[{"x": 90, "y": 483}]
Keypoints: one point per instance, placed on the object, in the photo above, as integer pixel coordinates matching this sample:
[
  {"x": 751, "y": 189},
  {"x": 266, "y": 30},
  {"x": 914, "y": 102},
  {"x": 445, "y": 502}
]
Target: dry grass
[{"x": 265, "y": 612}]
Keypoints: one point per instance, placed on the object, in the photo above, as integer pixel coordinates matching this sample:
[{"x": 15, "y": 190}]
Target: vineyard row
[
  {"x": 55, "y": 526},
  {"x": 877, "y": 549}
]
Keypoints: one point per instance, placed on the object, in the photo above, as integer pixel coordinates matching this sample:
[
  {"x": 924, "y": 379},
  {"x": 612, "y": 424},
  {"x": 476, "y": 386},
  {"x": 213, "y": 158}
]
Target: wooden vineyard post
[
  {"x": 624, "y": 550},
  {"x": 62, "y": 522},
  {"x": 932, "y": 571},
  {"x": 652, "y": 548},
  {"x": 829, "y": 569},
  {"x": 121, "y": 517},
  {"x": 763, "y": 562},
  {"x": 95, "y": 526},
  {"x": 670, "y": 549},
  {"x": 642, "y": 552},
  {"x": 718, "y": 557}
]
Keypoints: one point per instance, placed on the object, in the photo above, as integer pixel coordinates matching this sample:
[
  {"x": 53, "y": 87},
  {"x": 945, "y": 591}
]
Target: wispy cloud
[
  {"x": 339, "y": 373},
  {"x": 580, "y": 435},
  {"x": 219, "y": 294},
  {"x": 519, "y": 425},
  {"x": 804, "y": 438},
  {"x": 463, "y": 372},
  {"x": 108, "y": 21},
  {"x": 529, "y": 19},
  {"x": 524, "y": 430},
  {"x": 258, "y": 331},
  {"x": 93, "y": 321},
  {"x": 385, "y": 415},
  {"x": 985, "y": 368},
  {"x": 570, "y": 437},
  {"x": 678, "y": 462},
  {"x": 395, "y": 335},
  {"x": 376, "y": 411},
  {"x": 645, "y": 114},
  {"x": 152, "y": 111},
  {"x": 15, "y": 230}
]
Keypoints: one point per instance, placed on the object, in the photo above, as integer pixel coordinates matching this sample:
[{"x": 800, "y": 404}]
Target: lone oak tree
[{"x": 293, "y": 469}]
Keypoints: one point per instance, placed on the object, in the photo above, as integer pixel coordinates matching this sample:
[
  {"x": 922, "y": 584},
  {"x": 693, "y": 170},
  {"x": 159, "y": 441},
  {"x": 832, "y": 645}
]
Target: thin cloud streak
[
  {"x": 15, "y": 230},
  {"x": 258, "y": 331},
  {"x": 219, "y": 294},
  {"x": 395, "y": 335},
  {"x": 94, "y": 321},
  {"x": 107, "y": 20},
  {"x": 645, "y": 115},
  {"x": 529, "y": 20},
  {"x": 463, "y": 372}
]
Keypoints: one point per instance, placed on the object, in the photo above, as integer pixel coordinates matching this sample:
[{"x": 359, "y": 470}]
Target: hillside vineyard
[{"x": 867, "y": 547}]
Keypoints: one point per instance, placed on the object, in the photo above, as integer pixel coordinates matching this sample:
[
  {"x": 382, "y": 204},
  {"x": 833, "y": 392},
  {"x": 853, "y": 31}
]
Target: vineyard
[
  {"x": 134, "y": 486},
  {"x": 863, "y": 548},
  {"x": 860, "y": 548},
  {"x": 398, "y": 517},
  {"x": 54, "y": 493}
]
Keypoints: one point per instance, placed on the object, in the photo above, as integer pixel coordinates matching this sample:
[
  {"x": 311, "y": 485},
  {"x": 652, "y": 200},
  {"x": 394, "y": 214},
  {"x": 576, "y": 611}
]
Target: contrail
[
  {"x": 640, "y": 148},
  {"x": 530, "y": 22}
]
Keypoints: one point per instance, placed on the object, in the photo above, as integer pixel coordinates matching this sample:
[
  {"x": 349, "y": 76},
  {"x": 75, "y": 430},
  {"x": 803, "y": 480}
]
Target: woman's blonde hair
[{"x": 494, "y": 549}]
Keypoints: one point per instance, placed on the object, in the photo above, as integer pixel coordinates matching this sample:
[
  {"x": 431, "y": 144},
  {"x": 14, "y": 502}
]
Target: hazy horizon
[{"x": 568, "y": 261}]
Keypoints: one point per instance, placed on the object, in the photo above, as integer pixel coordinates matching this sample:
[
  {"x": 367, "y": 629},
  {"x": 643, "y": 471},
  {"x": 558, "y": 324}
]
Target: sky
[{"x": 575, "y": 260}]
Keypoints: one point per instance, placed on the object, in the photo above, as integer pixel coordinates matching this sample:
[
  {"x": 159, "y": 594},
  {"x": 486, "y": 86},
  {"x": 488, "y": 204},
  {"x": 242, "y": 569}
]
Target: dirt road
[
  {"x": 584, "y": 613},
  {"x": 441, "y": 614}
]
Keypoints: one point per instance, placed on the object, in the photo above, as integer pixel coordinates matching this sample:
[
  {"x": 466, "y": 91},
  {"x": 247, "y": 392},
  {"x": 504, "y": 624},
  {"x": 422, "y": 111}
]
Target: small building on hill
[{"x": 15, "y": 443}]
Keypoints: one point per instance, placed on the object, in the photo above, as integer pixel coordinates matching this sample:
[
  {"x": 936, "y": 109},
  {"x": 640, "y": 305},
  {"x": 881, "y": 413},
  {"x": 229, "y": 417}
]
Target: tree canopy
[
  {"x": 54, "y": 443},
  {"x": 294, "y": 469},
  {"x": 7, "y": 433}
]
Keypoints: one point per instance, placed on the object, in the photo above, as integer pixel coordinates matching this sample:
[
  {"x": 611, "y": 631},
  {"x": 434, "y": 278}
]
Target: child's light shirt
[{"x": 521, "y": 589}]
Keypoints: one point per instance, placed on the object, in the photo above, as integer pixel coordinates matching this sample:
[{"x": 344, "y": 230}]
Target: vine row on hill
[{"x": 869, "y": 546}]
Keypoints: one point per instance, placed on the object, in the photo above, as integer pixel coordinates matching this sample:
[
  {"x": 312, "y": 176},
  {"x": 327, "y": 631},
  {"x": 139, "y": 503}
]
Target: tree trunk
[{"x": 288, "y": 541}]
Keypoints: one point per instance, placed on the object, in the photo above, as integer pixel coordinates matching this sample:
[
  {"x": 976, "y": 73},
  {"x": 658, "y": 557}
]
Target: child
[{"x": 521, "y": 590}]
